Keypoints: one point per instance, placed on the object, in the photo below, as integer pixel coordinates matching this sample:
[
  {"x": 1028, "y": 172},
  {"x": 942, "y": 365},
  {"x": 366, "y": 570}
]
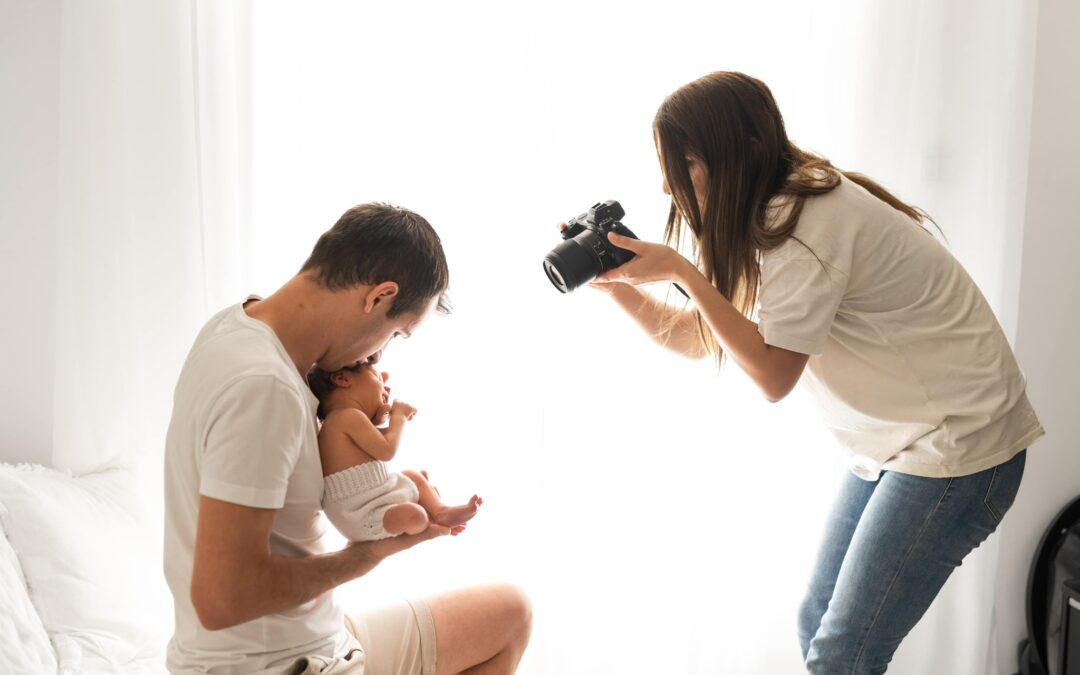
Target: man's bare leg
[
  {"x": 481, "y": 630},
  {"x": 453, "y": 517}
]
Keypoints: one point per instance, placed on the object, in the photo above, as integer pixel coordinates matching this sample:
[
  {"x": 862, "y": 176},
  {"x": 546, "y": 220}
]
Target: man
[{"x": 244, "y": 556}]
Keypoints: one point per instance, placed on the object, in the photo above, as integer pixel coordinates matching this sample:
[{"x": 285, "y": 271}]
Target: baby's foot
[{"x": 454, "y": 516}]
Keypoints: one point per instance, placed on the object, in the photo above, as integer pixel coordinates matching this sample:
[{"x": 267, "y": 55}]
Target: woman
[{"x": 900, "y": 349}]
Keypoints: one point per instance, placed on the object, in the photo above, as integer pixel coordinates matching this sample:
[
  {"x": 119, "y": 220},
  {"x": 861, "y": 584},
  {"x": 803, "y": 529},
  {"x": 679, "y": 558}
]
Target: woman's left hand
[{"x": 651, "y": 262}]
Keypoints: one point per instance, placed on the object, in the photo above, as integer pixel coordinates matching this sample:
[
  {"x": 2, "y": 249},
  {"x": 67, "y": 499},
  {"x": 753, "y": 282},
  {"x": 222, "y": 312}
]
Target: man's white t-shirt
[
  {"x": 244, "y": 431},
  {"x": 908, "y": 364}
]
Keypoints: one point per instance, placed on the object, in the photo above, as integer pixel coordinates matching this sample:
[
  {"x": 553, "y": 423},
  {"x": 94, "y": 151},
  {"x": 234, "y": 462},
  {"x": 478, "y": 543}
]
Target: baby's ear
[{"x": 340, "y": 379}]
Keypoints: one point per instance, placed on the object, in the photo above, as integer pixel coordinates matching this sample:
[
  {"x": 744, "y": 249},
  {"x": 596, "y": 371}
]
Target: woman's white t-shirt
[{"x": 907, "y": 361}]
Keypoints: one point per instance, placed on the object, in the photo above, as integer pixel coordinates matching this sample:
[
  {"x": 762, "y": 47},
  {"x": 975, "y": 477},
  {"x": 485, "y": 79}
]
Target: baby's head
[{"x": 359, "y": 386}]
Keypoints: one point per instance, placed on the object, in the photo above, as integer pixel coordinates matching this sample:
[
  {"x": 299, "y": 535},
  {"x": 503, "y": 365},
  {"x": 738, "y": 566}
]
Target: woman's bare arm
[
  {"x": 774, "y": 369},
  {"x": 652, "y": 314}
]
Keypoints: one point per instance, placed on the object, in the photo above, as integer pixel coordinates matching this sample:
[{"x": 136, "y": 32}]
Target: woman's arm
[
  {"x": 773, "y": 369},
  {"x": 651, "y": 315}
]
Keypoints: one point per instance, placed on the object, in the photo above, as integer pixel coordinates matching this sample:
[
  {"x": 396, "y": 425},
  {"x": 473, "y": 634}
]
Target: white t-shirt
[
  {"x": 908, "y": 363},
  {"x": 244, "y": 431}
]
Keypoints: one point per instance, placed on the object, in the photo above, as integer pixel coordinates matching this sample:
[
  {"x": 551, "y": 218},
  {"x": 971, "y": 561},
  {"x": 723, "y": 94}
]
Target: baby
[{"x": 361, "y": 498}]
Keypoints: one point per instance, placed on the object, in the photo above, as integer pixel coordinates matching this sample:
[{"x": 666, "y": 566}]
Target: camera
[{"x": 585, "y": 252}]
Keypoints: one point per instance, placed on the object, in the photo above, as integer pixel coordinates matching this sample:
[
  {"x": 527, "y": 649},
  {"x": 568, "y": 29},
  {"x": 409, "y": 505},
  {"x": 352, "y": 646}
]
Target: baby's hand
[
  {"x": 403, "y": 409},
  {"x": 381, "y": 416}
]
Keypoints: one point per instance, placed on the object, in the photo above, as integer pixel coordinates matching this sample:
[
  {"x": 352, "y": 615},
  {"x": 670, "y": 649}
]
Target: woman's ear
[{"x": 383, "y": 292}]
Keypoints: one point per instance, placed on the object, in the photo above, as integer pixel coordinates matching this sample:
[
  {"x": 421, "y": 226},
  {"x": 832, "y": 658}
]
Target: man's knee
[
  {"x": 511, "y": 610},
  {"x": 518, "y": 608}
]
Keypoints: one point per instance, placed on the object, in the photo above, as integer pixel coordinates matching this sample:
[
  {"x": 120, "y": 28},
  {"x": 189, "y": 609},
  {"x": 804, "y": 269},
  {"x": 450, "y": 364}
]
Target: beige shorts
[{"x": 398, "y": 639}]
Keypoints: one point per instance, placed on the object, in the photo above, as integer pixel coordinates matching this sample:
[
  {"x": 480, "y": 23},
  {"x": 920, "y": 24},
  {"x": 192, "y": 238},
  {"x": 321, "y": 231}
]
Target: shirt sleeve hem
[
  {"x": 790, "y": 342},
  {"x": 243, "y": 495}
]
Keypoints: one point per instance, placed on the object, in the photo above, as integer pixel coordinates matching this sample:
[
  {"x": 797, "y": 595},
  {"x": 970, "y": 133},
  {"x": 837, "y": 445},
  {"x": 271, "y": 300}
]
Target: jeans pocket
[{"x": 1004, "y": 483}]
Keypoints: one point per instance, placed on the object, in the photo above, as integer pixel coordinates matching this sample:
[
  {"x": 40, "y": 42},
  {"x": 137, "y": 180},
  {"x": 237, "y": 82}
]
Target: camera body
[{"x": 585, "y": 252}]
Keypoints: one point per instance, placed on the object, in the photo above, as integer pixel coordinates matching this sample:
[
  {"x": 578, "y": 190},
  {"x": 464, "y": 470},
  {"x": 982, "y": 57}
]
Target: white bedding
[
  {"x": 92, "y": 570},
  {"x": 24, "y": 645}
]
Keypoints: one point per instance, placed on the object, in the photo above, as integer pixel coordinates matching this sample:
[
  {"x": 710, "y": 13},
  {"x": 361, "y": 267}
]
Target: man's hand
[
  {"x": 235, "y": 577},
  {"x": 374, "y": 552}
]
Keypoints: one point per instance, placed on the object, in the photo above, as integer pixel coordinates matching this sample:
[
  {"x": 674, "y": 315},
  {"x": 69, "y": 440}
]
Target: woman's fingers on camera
[
  {"x": 629, "y": 243},
  {"x": 602, "y": 286},
  {"x": 608, "y": 278}
]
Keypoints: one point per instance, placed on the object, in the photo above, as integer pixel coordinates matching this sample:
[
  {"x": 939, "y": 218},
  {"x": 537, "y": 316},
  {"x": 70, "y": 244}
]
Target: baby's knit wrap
[{"x": 355, "y": 499}]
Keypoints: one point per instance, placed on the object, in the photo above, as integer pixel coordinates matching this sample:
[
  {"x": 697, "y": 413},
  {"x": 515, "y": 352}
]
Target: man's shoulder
[{"x": 233, "y": 352}]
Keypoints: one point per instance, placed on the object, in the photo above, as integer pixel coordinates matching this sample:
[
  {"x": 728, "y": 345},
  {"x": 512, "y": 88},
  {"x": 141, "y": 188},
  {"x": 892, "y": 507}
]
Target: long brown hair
[{"x": 731, "y": 123}]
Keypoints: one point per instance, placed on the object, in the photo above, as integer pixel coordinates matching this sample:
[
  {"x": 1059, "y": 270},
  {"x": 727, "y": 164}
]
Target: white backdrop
[{"x": 662, "y": 516}]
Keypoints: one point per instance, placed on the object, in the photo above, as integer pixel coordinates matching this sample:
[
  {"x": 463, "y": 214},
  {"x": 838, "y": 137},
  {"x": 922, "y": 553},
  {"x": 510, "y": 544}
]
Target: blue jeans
[{"x": 889, "y": 547}]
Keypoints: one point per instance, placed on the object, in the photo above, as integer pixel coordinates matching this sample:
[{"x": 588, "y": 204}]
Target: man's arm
[{"x": 236, "y": 579}]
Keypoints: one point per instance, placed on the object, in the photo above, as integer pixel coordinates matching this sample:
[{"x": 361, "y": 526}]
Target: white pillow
[
  {"x": 93, "y": 568},
  {"x": 24, "y": 646}
]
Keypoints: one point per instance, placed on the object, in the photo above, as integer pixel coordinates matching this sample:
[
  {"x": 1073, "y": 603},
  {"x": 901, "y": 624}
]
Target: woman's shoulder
[
  {"x": 842, "y": 210},
  {"x": 779, "y": 208},
  {"x": 827, "y": 229},
  {"x": 820, "y": 221}
]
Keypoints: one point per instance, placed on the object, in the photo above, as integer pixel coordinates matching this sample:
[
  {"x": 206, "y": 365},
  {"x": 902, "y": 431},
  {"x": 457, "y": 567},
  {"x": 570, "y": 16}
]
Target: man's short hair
[{"x": 378, "y": 242}]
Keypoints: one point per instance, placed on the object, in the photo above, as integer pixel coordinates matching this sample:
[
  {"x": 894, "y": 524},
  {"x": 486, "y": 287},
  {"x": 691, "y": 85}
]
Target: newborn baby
[{"x": 361, "y": 497}]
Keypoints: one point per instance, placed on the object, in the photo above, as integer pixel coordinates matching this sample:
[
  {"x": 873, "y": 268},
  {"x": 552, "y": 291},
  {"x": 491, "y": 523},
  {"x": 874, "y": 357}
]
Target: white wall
[
  {"x": 29, "y": 107},
  {"x": 1048, "y": 323}
]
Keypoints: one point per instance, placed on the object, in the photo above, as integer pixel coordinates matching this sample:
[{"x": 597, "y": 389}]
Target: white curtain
[
  {"x": 152, "y": 192},
  {"x": 661, "y": 515},
  {"x": 152, "y": 187}
]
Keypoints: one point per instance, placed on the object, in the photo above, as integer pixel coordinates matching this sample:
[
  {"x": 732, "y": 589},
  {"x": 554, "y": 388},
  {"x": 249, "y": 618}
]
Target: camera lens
[
  {"x": 553, "y": 274},
  {"x": 573, "y": 263}
]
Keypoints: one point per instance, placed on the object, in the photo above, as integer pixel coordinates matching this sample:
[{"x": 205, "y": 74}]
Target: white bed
[{"x": 81, "y": 584}]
